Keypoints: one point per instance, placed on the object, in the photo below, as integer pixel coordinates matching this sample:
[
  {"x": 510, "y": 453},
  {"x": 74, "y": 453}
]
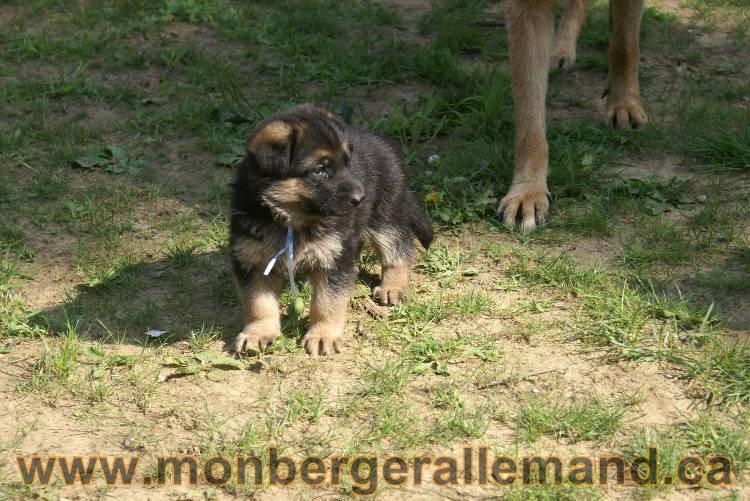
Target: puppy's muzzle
[{"x": 353, "y": 190}]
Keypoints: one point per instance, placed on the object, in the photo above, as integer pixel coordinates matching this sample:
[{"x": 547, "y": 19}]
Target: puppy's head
[{"x": 303, "y": 157}]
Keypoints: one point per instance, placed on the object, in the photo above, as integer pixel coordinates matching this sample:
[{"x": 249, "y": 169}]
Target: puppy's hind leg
[
  {"x": 395, "y": 250},
  {"x": 566, "y": 36}
]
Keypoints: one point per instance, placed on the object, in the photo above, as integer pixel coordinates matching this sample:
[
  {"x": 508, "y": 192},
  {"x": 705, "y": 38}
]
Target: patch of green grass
[
  {"x": 656, "y": 242},
  {"x": 192, "y": 11},
  {"x": 716, "y": 135},
  {"x": 455, "y": 25},
  {"x": 430, "y": 353},
  {"x": 56, "y": 365},
  {"x": 386, "y": 379},
  {"x": 14, "y": 313},
  {"x": 397, "y": 423},
  {"x": 733, "y": 276},
  {"x": 180, "y": 254},
  {"x": 629, "y": 318},
  {"x": 565, "y": 492},
  {"x": 592, "y": 217},
  {"x": 710, "y": 435},
  {"x": 725, "y": 12},
  {"x": 307, "y": 405},
  {"x": 722, "y": 370},
  {"x": 653, "y": 195},
  {"x": 671, "y": 446},
  {"x": 461, "y": 422},
  {"x": 200, "y": 339},
  {"x": 13, "y": 239},
  {"x": 442, "y": 306},
  {"x": 713, "y": 224},
  {"x": 589, "y": 419}
]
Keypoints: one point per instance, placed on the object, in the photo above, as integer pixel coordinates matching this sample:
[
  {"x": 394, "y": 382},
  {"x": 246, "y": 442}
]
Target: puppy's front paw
[
  {"x": 387, "y": 296},
  {"x": 256, "y": 336},
  {"x": 320, "y": 341}
]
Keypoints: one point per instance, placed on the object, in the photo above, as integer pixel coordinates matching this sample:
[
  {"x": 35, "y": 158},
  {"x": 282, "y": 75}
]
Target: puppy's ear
[{"x": 272, "y": 147}]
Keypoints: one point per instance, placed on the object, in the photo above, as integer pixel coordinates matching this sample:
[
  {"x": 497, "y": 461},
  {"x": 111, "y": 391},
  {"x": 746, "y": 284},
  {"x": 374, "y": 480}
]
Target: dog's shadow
[{"x": 189, "y": 296}]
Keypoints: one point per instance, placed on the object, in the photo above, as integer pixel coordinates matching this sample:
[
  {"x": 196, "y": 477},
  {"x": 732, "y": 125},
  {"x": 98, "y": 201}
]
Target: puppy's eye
[{"x": 319, "y": 170}]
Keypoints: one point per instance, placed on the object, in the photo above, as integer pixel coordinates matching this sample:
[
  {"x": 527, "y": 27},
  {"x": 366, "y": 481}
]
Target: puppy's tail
[{"x": 420, "y": 223}]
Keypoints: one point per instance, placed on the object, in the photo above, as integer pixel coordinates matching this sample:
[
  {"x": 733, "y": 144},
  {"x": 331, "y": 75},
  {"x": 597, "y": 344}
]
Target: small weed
[
  {"x": 463, "y": 423},
  {"x": 709, "y": 436},
  {"x": 57, "y": 364},
  {"x": 194, "y": 11},
  {"x": 307, "y": 405},
  {"x": 671, "y": 447},
  {"x": 112, "y": 159},
  {"x": 590, "y": 419},
  {"x": 199, "y": 340},
  {"x": 386, "y": 379},
  {"x": 214, "y": 366}
]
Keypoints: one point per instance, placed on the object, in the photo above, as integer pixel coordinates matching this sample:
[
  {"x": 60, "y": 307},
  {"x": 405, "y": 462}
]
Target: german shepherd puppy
[{"x": 334, "y": 186}]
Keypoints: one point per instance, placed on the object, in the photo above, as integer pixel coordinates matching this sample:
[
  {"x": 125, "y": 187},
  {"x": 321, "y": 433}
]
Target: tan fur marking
[
  {"x": 288, "y": 191},
  {"x": 327, "y": 318},
  {"x": 386, "y": 243},
  {"x": 284, "y": 199},
  {"x": 395, "y": 277},
  {"x": 275, "y": 133},
  {"x": 261, "y": 307},
  {"x": 252, "y": 253},
  {"x": 320, "y": 252},
  {"x": 393, "y": 282},
  {"x": 322, "y": 153}
]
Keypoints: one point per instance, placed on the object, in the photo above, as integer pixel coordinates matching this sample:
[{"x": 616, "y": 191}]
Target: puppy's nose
[
  {"x": 352, "y": 189},
  {"x": 356, "y": 197}
]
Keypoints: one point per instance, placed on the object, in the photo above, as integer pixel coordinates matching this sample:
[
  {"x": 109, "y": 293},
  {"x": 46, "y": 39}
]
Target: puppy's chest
[{"x": 309, "y": 252}]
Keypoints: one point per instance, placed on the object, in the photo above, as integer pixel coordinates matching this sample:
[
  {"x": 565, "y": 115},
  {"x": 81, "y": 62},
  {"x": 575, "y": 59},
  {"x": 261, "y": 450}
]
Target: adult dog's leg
[
  {"x": 624, "y": 106},
  {"x": 530, "y": 28},
  {"x": 566, "y": 35}
]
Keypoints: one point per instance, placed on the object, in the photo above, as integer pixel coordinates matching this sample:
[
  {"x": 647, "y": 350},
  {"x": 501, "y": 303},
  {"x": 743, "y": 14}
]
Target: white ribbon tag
[{"x": 289, "y": 250}]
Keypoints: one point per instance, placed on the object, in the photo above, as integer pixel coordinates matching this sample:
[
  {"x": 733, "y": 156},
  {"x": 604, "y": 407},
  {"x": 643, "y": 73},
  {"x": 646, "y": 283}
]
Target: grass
[
  {"x": 121, "y": 122},
  {"x": 590, "y": 419}
]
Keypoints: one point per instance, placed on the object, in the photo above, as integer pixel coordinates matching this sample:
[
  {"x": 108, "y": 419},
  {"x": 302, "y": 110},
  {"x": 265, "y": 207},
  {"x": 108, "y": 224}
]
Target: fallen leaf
[
  {"x": 218, "y": 376},
  {"x": 93, "y": 353}
]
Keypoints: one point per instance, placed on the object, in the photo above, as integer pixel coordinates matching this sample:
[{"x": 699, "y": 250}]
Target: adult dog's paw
[
  {"x": 387, "y": 296},
  {"x": 525, "y": 207},
  {"x": 318, "y": 341},
  {"x": 625, "y": 111},
  {"x": 563, "y": 57},
  {"x": 256, "y": 337}
]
